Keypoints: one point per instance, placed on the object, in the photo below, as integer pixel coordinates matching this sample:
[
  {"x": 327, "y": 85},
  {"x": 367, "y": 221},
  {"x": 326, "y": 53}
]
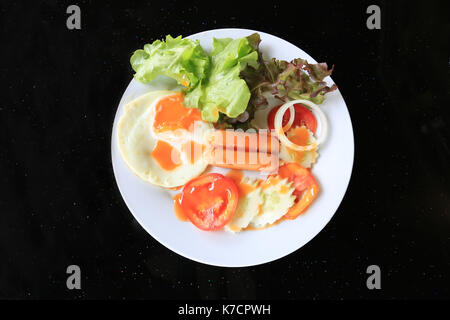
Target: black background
[{"x": 60, "y": 205}]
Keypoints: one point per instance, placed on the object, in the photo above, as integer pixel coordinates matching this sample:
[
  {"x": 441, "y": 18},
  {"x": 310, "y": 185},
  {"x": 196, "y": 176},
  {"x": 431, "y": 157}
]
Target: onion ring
[
  {"x": 291, "y": 119},
  {"x": 279, "y": 131}
]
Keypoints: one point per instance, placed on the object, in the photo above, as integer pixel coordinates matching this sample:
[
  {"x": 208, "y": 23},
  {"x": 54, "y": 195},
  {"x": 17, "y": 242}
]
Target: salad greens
[
  {"x": 181, "y": 59},
  {"x": 222, "y": 90},
  {"x": 285, "y": 80},
  {"x": 230, "y": 83}
]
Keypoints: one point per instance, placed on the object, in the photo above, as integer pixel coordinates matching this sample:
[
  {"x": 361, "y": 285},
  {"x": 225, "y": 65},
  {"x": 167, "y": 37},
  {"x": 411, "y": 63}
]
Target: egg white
[{"x": 137, "y": 140}]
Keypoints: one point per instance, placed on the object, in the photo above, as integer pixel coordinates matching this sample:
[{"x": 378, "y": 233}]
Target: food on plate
[
  {"x": 265, "y": 202},
  {"x": 181, "y": 59},
  {"x": 284, "y": 80},
  {"x": 170, "y": 138},
  {"x": 306, "y": 187},
  {"x": 301, "y": 136},
  {"x": 261, "y": 141},
  {"x": 244, "y": 150},
  {"x": 212, "y": 81},
  {"x": 280, "y": 129},
  {"x": 208, "y": 201},
  {"x": 155, "y": 145},
  {"x": 243, "y": 159},
  {"x": 277, "y": 199},
  {"x": 222, "y": 91},
  {"x": 250, "y": 201},
  {"x": 229, "y": 84},
  {"x": 302, "y": 117},
  {"x": 260, "y": 203}
]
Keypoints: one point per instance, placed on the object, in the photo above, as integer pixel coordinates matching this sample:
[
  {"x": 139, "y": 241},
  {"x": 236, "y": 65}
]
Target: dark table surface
[{"x": 60, "y": 204}]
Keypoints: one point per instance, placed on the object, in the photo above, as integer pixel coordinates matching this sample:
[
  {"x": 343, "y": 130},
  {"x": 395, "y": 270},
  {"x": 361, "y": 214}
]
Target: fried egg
[{"x": 161, "y": 140}]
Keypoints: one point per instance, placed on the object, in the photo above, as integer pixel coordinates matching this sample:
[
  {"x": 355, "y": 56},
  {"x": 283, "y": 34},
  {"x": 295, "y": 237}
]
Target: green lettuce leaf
[
  {"x": 222, "y": 90},
  {"x": 229, "y": 84},
  {"x": 178, "y": 58}
]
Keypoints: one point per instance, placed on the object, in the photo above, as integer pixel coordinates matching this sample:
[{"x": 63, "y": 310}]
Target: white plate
[{"x": 153, "y": 207}]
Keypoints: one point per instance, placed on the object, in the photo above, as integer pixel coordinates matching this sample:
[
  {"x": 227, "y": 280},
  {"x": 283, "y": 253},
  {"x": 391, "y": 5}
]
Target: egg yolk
[
  {"x": 171, "y": 114},
  {"x": 166, "y": 156}
]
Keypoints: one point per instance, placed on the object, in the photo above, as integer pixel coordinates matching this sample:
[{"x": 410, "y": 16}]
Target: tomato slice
[
  {"x": 271, "y": 117},
  {"x": 306, "y": 187},
  {"x": 303, "y": 117},
  {"x": 208, "y": 201}
]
